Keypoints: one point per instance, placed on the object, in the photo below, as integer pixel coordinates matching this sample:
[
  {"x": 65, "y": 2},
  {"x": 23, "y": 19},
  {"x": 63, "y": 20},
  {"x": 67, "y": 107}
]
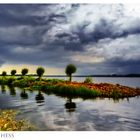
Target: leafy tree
[
  {"x": 4, "y": 73},
  {"x": 70, "y": 69},
  {"x": 40, "y": 71},
  {"x": 13, "y": 72},
  {"x": 24, "y": 71}
]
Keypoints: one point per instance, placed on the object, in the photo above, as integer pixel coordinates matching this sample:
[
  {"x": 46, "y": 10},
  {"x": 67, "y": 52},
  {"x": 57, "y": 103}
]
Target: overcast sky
[{"x": 97, "y": 38}]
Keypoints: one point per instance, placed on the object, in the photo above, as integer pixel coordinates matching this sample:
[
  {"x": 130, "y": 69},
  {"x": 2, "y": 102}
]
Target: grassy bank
[{"x": 73, "y": 89}]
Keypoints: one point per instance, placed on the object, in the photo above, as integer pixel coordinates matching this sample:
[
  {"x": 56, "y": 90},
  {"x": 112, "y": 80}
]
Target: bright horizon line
[
  {"x": 48, "y": 70},
  {"x": 31, "y": 68}
]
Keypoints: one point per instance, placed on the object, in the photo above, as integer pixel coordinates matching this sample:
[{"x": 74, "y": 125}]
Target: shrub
[
  {"x": 20, "y": 83},
  {"x": 24, "y": 82},
  {"x": 88, "y": 80}
]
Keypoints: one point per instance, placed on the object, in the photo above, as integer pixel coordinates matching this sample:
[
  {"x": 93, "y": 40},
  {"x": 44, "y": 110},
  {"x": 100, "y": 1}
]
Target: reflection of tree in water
[
  {"x": 70, "y": 106},
  {"x": 39, "y": 97},
  {"x": 12, "y": 90},
  {"x": 23, "y": 94},
  {"x": 3, "y": 88}
]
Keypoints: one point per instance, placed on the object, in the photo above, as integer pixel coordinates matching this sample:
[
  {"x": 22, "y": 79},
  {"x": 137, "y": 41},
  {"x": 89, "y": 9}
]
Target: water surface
[{"x": 50, "y": 112}]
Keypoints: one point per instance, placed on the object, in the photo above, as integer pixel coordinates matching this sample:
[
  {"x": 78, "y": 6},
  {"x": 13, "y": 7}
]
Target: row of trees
[
  {"x": 69, "y": 70},
  {"x": 40, "y": 71}
]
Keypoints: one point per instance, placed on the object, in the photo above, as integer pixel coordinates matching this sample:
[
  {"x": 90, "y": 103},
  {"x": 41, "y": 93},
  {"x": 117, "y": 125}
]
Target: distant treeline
[{"x": 113, "y": 75}]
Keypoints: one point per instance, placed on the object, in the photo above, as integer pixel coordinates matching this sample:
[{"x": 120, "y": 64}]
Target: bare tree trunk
[{"x": 70, "y": 78}]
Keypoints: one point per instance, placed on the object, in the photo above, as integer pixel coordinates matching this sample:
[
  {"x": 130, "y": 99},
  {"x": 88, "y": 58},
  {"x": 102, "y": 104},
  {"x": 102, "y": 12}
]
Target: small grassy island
[
  {"x": 86, "y": 89},
  {"x": 71, "y": 89}
]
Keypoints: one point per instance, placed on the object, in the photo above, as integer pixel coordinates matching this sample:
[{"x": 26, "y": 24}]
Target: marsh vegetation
[{"x": 8, "y": 122}]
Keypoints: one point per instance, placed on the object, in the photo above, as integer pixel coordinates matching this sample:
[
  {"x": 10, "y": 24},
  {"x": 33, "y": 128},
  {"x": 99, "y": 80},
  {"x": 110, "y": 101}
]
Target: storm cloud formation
[{"x": 98, "y": 38}]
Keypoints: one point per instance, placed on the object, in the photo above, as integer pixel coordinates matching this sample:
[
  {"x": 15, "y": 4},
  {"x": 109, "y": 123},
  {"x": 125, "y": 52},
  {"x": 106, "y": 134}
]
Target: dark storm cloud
[
  {"x": 46, "y": 34},
  {"x": 68, "y": 41},
  {"x": 104, "y": 29},
  {"x": 124, "y": 66},
  {"x": 82, "y": 35},
  {"x": 12, "y": 15},
  {"x": 21, "y": 36},
  {"x": 1, "y": 61},
  {"x": 115, "y": 66},
  {"x": 8, "y": 20},
  {"x": 121, "y": 62}
]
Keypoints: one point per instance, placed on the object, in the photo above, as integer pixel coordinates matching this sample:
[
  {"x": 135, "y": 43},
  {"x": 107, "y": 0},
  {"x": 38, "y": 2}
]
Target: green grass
[
  {"x": 115, "y": 94},
  {"x": 54, "y": 81},
  {"x": 19, "y": 82},
  {"x": 65, "y": 90}
]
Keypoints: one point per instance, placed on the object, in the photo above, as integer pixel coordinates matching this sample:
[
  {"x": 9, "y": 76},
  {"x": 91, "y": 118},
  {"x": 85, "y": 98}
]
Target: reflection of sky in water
[
  {"x": 107, "y": 115},
  {"x": 50, "y": 113}
]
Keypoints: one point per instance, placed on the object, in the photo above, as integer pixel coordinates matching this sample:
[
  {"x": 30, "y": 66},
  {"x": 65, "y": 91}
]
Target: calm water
[{"x": 50, "y": 112}]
